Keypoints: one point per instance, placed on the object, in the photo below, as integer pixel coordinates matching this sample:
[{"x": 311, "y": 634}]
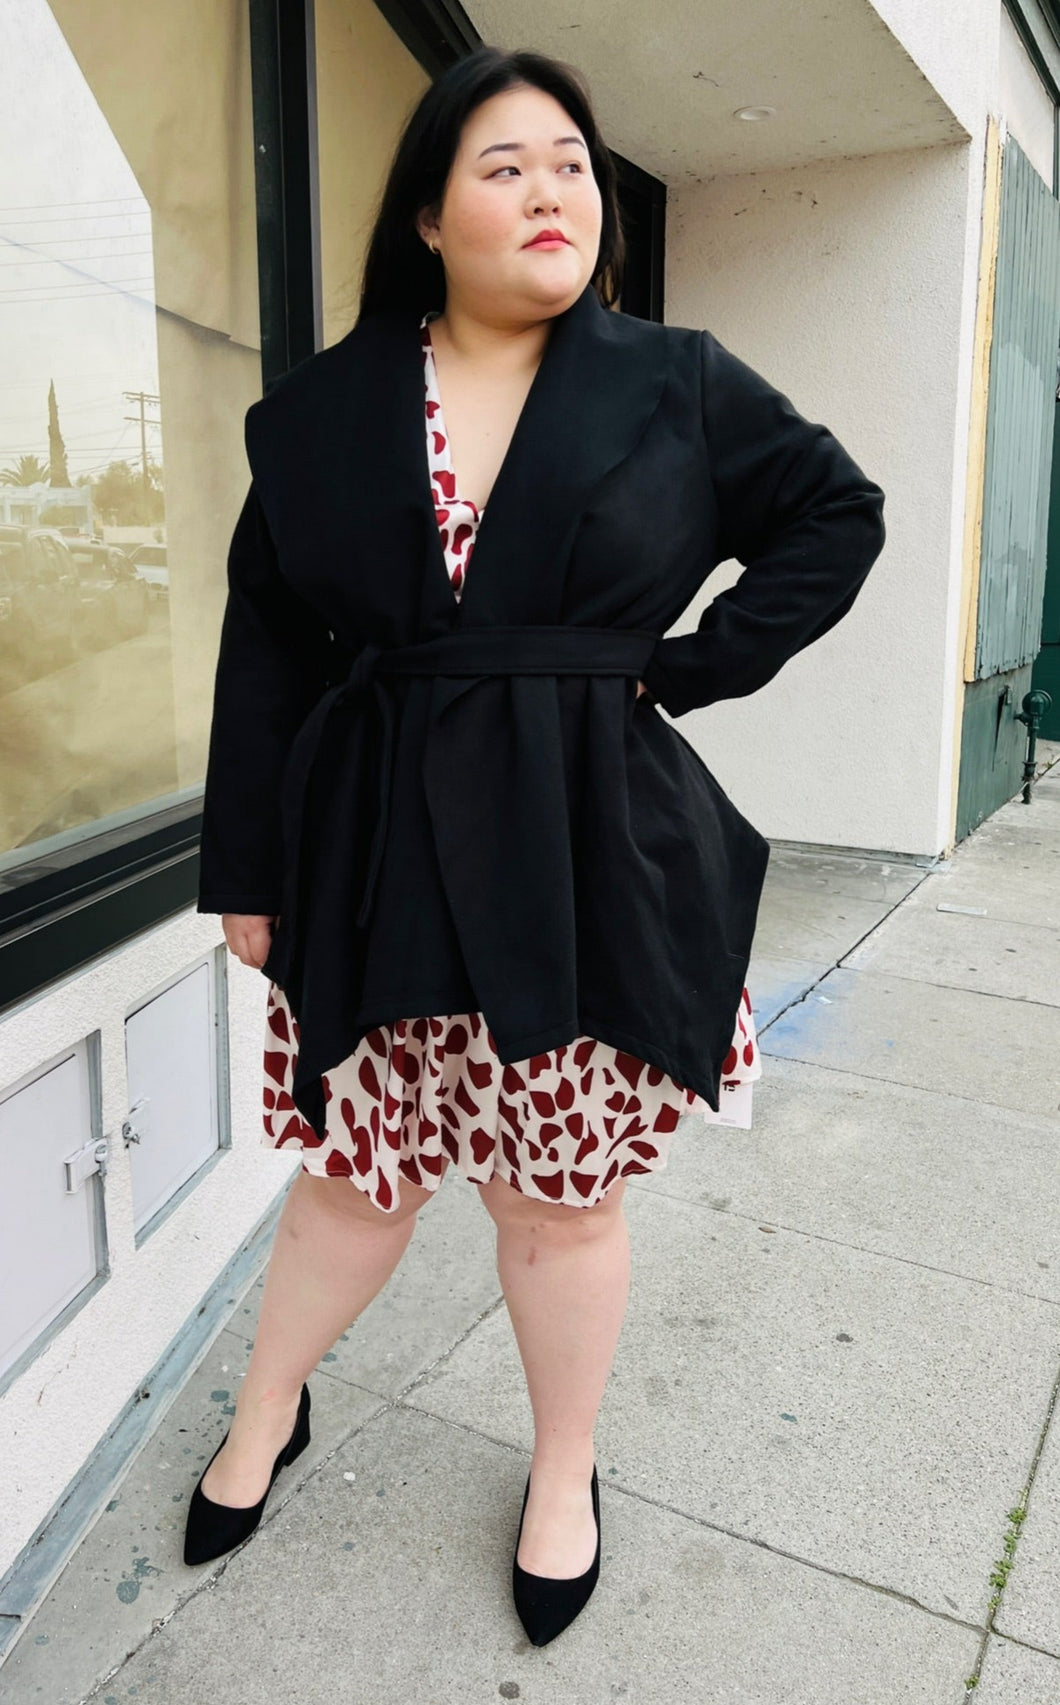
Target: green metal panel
[
  {"x": 992, "y": 747},
  {"x": 1046, "y": 672},
  {"x": 1018, "y": 484},
  {"x": 1019, "y": 435}
]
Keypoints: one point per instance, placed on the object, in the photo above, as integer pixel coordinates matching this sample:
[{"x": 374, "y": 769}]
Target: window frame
[{"x": 1038, "y": 26}]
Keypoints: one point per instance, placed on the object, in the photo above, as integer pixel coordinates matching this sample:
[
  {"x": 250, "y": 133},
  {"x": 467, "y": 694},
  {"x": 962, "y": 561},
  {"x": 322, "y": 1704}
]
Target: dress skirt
[
  {"x": 419, "y": 1092},
  {"x": 422, "y": 1091}
]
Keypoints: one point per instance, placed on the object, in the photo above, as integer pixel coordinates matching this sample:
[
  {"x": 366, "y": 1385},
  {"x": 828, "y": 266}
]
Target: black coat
[{"x": 462, "y": 806}]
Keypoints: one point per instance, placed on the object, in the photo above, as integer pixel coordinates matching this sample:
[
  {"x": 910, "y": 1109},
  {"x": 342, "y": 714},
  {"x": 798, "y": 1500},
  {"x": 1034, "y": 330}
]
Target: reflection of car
[
  {"x": 39, "y": 602},
  {"x": 113, "y": 595},
  {"x": 152, "y": 565}
]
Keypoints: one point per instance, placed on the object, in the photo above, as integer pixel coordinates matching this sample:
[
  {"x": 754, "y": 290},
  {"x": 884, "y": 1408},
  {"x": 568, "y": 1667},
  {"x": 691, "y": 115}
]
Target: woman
[{"x": 504, "y": 909}]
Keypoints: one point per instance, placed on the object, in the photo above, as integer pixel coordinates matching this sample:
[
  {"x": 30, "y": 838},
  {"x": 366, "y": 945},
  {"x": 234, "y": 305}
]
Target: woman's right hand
[{"x": 249, "y": 936}]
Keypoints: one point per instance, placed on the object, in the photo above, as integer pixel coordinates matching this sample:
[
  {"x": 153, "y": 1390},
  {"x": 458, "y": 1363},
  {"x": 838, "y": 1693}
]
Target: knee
[
  {"x": 341, "y": 1198},
  {"x": 561, "y": 1221}
]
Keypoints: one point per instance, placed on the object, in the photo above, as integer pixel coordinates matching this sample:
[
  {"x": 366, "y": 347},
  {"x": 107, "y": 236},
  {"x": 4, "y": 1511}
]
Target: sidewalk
[{"x": 835, "y": 1380}]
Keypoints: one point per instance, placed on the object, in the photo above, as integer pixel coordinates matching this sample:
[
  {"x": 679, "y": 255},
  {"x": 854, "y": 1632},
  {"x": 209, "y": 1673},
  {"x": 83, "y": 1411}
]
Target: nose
[{"x": 548, "y": 198}]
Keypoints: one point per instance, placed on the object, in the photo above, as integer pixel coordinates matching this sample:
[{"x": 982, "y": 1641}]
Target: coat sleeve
[
  {"x": 271, "y": 668},
  {"x": 797, "y": 511}
]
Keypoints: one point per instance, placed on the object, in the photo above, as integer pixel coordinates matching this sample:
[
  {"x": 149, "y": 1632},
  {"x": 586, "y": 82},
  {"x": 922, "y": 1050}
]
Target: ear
[{"x": 427, "y": 224}]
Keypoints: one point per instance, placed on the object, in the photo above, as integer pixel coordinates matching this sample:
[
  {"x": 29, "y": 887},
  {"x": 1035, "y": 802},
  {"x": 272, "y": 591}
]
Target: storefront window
[{"x": 129, "y": 307}]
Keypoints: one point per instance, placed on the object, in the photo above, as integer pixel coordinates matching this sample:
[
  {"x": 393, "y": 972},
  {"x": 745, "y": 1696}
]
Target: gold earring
[{"x": 432, "y": 248}]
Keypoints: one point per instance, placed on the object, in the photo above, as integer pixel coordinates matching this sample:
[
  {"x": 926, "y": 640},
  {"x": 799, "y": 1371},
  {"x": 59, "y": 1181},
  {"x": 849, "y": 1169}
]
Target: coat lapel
[
  {"x": 338, "y": 447},
  {"x": 601, "y": 377}
]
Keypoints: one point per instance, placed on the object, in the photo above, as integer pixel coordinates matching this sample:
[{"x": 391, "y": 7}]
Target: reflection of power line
[
  {"x": 62, "y": 379},
  {"x": 142, "y": 397},
  {"x": 32, "y": 242},
  {"x": 64, "y": 260},
  {"x": 88, "y": 296},
  {"x": 83, "y": 438},
  {"x": 71, "y": 456},
  {"x": 94, "y": 405},
  {"x": 107, "y": 460},
  {"x": 43, "y": 292},
  {"x": 86, "y": 201},
  {"x": 97, "y": 467},
  {"x": 72, "y": 219}
]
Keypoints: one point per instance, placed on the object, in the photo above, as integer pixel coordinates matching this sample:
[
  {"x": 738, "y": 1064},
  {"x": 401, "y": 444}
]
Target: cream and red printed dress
[{"x": 421, "y": 1091}]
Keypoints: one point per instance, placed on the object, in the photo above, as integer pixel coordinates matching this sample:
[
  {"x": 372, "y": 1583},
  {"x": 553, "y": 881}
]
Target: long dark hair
[{"x": 399, "y": 270}]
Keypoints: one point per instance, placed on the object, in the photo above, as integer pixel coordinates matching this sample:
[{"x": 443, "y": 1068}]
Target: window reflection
[
  {"x": 128, "y": 308},
  {"x": 130, "y": 328}
]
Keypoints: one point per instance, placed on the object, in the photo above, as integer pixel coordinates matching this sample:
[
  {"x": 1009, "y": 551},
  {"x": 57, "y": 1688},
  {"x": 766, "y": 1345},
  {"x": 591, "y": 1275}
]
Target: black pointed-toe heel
[
  {"x": 213, "y": 1529},
  {"x": 545, "y": 1605}
]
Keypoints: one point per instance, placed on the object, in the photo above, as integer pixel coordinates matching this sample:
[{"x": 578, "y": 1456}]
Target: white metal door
[
  {"x": 171, "y": 1057},
  {"x": 51, "y": 1224}
]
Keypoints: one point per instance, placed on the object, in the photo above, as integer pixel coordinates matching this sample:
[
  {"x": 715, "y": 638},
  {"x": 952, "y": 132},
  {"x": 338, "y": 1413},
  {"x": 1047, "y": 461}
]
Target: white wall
[
  {"x": 956, "y": 47},
  {"x": 57, "y": 1409},
  {"x": 850, "y": 286}
]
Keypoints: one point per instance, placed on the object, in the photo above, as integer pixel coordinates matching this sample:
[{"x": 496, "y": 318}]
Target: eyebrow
[{"x": 560, "y": 142}]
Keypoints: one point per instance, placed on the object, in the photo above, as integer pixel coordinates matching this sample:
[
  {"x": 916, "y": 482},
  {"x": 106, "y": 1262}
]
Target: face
[{"x": 522, "y": 168}]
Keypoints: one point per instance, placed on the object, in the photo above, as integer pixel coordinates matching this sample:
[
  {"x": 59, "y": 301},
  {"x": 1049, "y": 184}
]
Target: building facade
[{"x": 862, "y": 205}]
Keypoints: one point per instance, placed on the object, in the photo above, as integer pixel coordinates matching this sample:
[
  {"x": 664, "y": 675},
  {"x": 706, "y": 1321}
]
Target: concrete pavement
[{"x": 829, "y": 1461}]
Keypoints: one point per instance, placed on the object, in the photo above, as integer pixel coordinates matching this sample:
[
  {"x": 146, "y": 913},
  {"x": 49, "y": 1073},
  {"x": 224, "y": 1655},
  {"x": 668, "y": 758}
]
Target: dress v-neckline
[
  {"x": 499, "y": 503},
  {"x": 439, "y": 421}
]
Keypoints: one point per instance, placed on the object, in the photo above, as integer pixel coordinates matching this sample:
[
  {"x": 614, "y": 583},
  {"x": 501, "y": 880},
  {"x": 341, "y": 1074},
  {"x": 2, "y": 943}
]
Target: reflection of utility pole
[{"x": 142, "y": 397}]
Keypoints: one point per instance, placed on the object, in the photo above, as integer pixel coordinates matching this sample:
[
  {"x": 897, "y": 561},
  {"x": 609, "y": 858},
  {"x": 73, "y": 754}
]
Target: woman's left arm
[{"x": 797, "y": 511}]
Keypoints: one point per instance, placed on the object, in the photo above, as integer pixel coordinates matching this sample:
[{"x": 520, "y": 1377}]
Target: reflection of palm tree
[{"x": 28, "y": 470}]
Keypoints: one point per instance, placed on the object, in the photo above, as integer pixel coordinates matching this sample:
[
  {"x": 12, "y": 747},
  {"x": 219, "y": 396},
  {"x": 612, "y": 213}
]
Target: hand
[
  {"x": 248, "y": 936},
  {"x": 641, "y": 688}
]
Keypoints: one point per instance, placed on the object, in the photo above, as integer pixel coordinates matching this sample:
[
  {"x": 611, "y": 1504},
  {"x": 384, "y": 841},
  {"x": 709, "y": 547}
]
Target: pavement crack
[{"x": 1017, "y": 1517}]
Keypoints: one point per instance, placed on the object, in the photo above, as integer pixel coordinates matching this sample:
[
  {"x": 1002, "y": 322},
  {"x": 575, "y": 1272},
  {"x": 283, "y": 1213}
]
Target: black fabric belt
[{"x": 463, "y": 653}]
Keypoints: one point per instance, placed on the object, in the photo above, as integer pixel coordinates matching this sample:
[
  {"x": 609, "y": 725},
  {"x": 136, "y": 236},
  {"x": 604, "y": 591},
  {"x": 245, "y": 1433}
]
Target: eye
[{"x": 577, "y": 164}]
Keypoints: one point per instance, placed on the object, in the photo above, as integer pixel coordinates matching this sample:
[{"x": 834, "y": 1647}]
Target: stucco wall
[
  {"x": 851, "y": 285},
  {"x": 956, "y": 47}
]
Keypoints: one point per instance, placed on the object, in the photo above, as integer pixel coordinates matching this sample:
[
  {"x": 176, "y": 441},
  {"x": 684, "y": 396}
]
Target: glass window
[{"x": 129, "y": 306}]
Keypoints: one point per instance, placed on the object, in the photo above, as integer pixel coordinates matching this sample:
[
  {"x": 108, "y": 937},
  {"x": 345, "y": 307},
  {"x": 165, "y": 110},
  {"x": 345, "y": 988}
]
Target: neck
[{"x": 507, "y": 346}]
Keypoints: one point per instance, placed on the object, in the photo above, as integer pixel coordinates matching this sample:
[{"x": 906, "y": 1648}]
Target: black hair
[{"x": 399, "y": 270}]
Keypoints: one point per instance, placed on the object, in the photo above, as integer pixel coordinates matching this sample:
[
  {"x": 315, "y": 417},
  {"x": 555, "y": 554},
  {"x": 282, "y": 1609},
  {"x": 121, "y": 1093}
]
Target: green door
[{"x": 1018, "y": 477}]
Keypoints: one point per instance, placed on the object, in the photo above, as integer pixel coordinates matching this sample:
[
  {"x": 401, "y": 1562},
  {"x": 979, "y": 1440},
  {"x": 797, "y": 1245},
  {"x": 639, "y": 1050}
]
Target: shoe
[
  {"x": 545, "y": 1605},
  {"x": 213, "y": 1529}
]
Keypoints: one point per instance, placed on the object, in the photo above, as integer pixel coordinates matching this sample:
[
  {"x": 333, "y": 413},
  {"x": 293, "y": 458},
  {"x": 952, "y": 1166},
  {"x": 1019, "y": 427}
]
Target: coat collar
[{"x": 358, "y": 405}]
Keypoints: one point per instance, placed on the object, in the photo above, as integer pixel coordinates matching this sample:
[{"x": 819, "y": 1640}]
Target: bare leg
[
  {"x": 333, "y": 1251},
  {"x": 564, "y": 1272}
]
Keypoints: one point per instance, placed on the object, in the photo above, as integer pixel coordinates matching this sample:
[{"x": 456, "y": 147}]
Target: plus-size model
[{"x": 503, "y": 908}]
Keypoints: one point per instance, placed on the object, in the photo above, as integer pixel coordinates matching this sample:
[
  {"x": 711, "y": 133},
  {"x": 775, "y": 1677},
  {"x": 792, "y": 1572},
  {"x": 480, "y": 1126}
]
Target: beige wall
[
  {"x": 844, "y": 284},
  {"x": 367, "y": 83}
]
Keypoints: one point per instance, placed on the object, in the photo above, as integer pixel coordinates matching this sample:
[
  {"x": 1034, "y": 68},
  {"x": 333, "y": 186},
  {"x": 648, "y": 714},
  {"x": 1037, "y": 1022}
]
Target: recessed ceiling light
[{"x": 752, "y": 113}]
